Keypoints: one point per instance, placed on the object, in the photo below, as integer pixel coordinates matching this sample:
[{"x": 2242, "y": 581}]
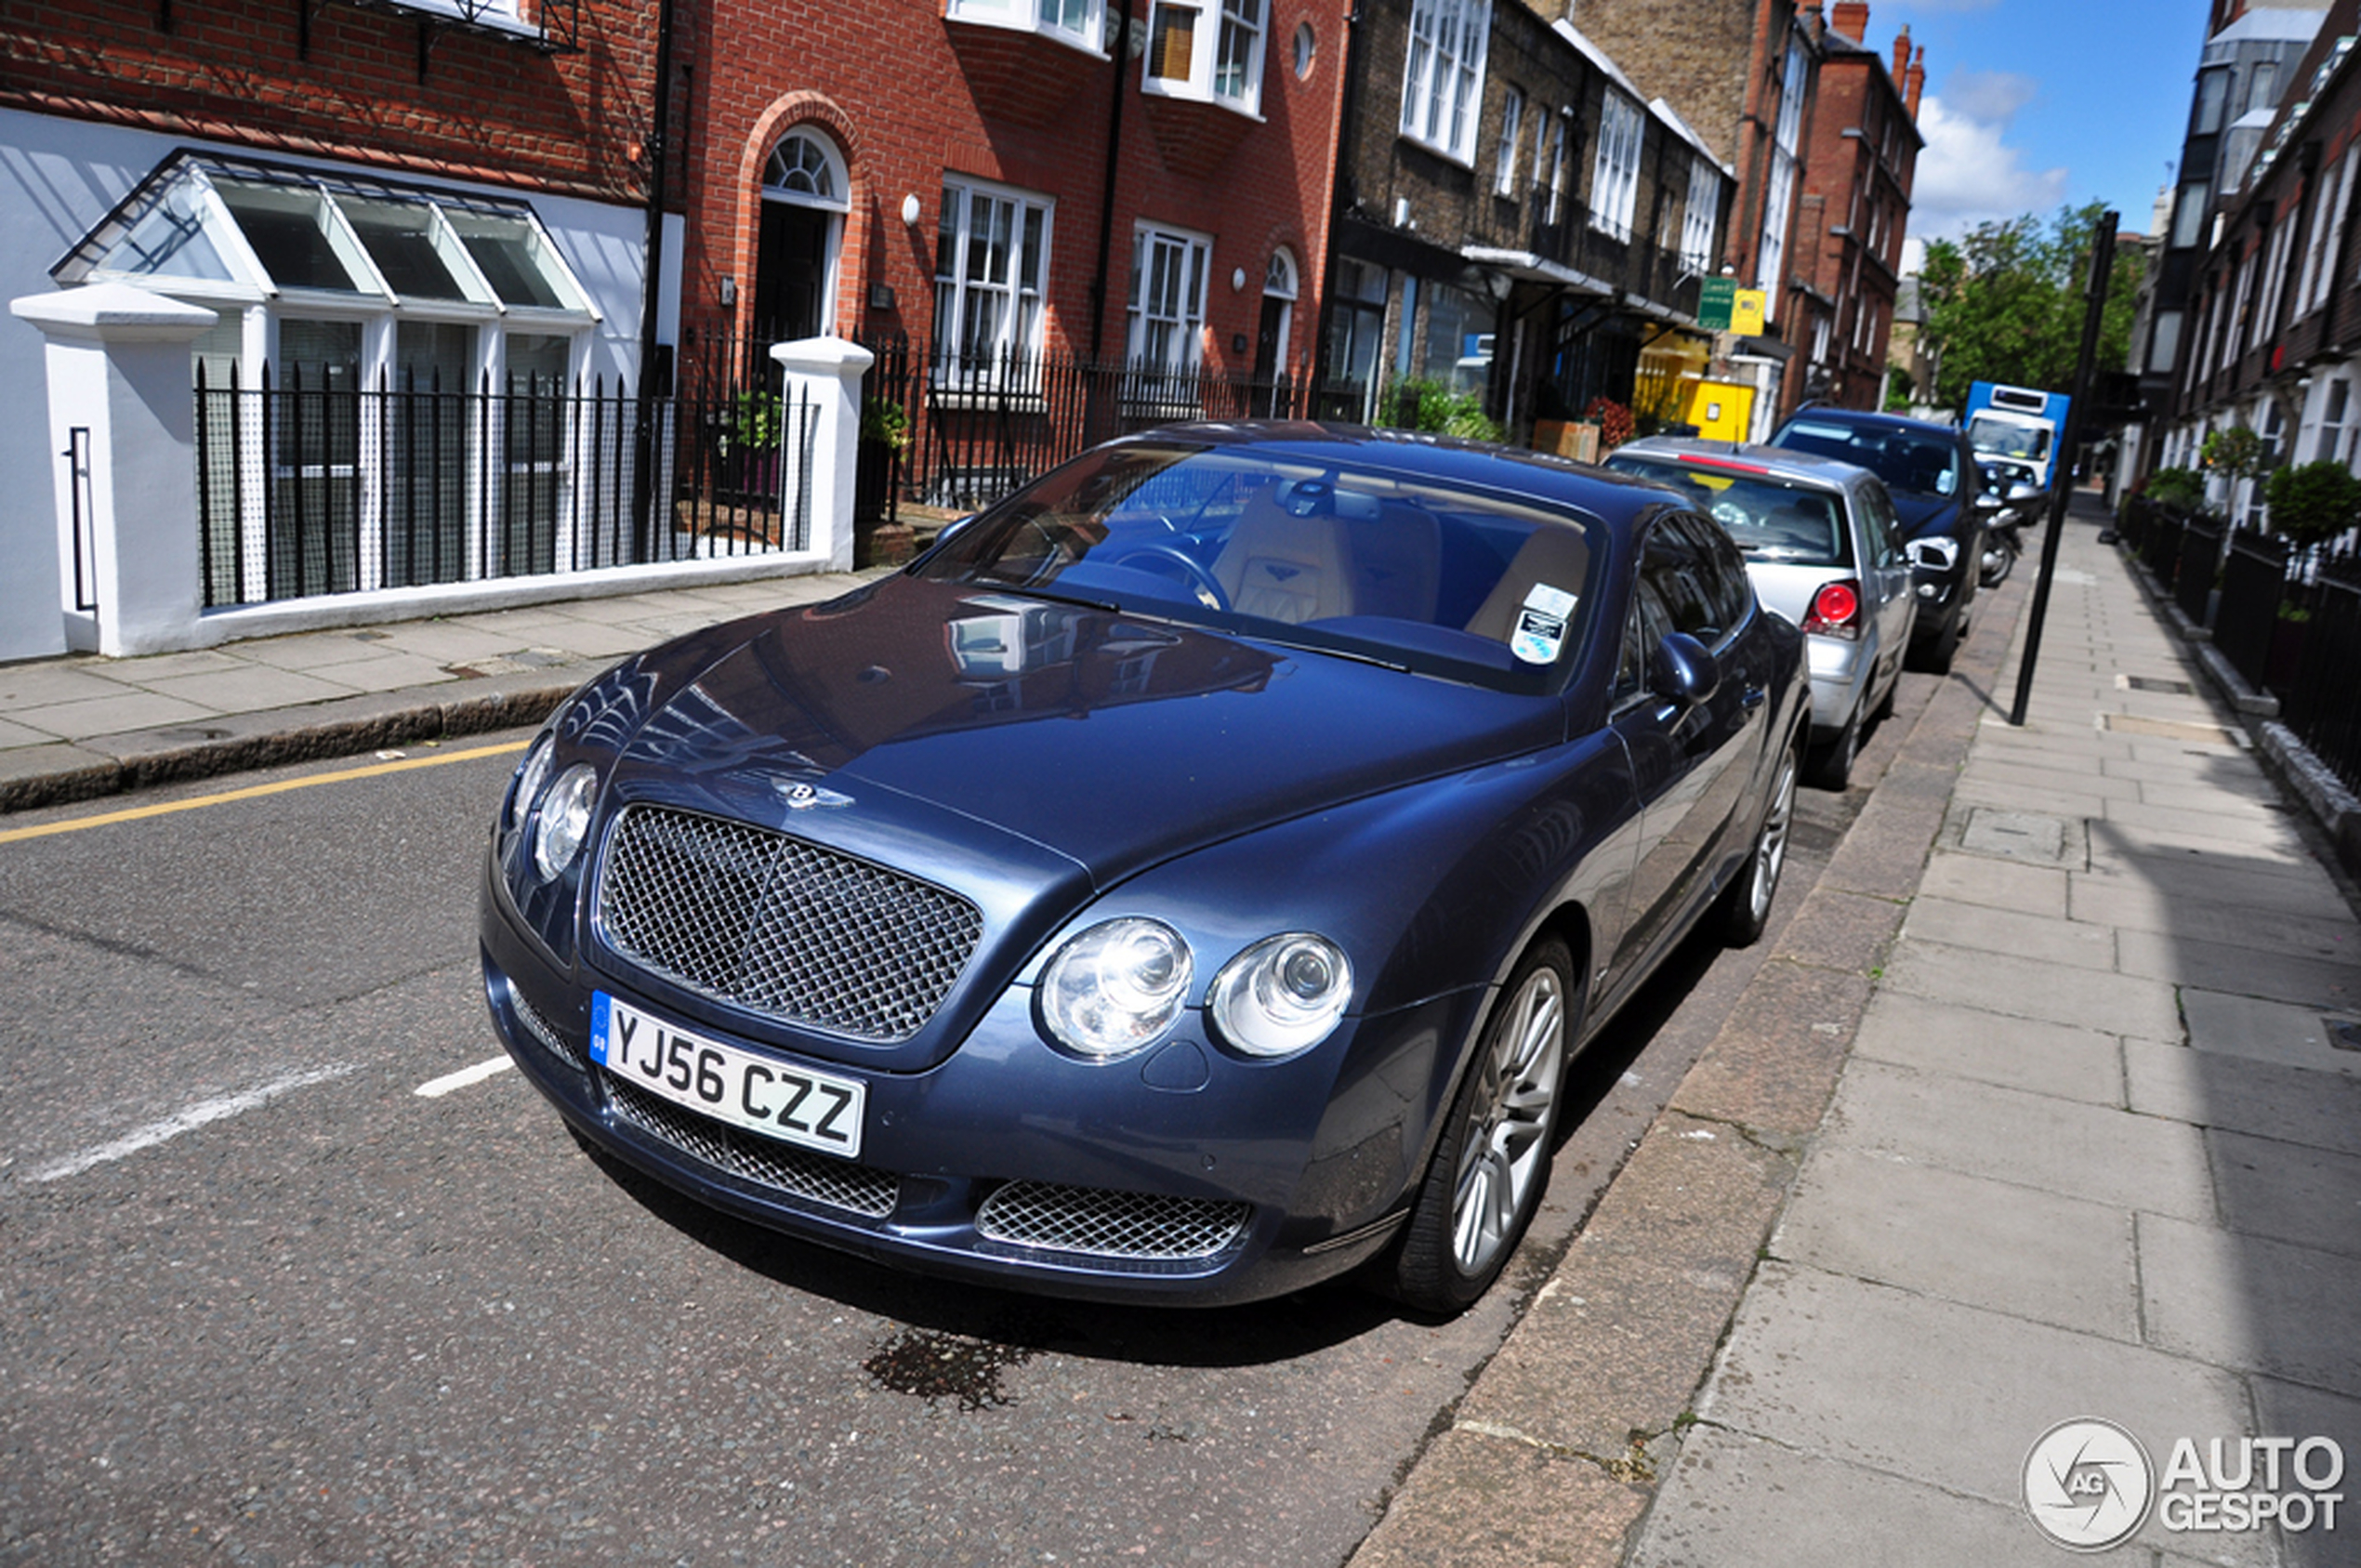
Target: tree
[
  {"x": 2005, "y": 303},
  {"x": 2313, "y": 503}
]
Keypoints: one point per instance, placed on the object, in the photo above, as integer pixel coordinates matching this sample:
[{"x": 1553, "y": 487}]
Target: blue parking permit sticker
[
  {"x": 1541, "y": 624},
  {"x": 601, "y": 1007}
]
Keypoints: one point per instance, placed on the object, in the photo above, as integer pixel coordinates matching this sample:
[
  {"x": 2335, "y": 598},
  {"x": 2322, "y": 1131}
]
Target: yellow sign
[
  {"x": 1721, "y": 410},
  {"x": 1746, "y": 312}
]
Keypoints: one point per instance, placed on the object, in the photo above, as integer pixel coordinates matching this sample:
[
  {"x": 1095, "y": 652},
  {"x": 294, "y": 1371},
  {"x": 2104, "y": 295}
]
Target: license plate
[{"x": 762, "y": 1094}]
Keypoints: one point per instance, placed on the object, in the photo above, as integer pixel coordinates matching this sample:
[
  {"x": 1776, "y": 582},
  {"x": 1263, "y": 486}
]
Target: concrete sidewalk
[
  {"x": 2094, "y": 1152},
  {"x": 83, "y": 726}
]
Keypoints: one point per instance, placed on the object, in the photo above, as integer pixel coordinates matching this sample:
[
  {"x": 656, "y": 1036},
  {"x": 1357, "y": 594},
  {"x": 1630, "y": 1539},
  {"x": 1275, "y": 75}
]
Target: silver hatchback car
[{"x": 1824, "y": 549}]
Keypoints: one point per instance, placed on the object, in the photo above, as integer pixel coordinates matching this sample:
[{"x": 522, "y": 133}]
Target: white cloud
[{"x": 1968, "y": 174}]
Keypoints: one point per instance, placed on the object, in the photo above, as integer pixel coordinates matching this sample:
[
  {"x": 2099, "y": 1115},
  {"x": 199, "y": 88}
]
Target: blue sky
[{"x": 2034, "y": 103}]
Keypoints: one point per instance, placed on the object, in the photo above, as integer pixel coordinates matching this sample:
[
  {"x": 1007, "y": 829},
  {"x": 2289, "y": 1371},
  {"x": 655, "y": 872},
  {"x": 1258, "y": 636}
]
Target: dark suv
[{"x": 1930, "y": 472}]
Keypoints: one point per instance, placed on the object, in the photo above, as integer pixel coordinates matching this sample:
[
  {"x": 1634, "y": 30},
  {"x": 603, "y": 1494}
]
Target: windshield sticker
[{"x": 1541, "y": 624}]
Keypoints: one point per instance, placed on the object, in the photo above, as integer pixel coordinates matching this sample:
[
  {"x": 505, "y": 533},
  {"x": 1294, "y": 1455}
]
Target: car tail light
[{"x": 1836, "y": 610}]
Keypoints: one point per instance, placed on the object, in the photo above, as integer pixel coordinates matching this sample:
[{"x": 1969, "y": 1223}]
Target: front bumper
[{"x": 1185, "y": 1176}]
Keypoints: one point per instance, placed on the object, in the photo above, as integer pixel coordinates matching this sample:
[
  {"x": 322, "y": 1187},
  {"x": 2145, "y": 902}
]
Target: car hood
[
  {"x": 1114, "y": 741},
  {"x": 1923, "y": 512}
]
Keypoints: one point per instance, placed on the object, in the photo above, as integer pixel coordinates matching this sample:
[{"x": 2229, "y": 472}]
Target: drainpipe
[
  {"x": 1122, "y": 52},
  {"x": 1342, "y": 197},
  {"x": 643, "y": 444}
]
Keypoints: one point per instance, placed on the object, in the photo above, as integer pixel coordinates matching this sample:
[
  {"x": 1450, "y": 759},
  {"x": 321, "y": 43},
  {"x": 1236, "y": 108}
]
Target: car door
[
  {"x": 1885, "y": 572},
  {"x": 1691, "y": 764}
]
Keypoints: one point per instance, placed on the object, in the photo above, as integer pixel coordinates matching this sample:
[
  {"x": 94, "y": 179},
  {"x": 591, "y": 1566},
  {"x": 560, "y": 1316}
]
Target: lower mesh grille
[
  {"x": 766, "y": 1162},
  {"x": 546, "y": 1034},
  {"x": 1104, "y": 1224}
]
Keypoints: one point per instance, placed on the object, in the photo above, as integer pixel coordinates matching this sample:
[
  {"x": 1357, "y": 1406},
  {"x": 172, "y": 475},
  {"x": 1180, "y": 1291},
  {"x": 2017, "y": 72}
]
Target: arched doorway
[
  {"x": 805, "y": 196},
  {"x": 1273, "y": 391}
]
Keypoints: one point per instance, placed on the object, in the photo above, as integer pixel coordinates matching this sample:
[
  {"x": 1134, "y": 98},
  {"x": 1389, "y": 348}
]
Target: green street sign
[{"x": 1715, "y": 297}]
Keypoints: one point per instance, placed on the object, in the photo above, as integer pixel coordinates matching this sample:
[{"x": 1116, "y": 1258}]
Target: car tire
[
  {"x": 1745, "y": 905},
  {"x": 1831, "y": 764},
  {"x": 1492, "y": 1164}
]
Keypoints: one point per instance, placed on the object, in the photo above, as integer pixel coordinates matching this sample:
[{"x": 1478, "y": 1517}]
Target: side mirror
[
  {"x": 1988, "y": 501},
  {"x": 1683, "y": 670},
  {"x": 2024, "y": 493},
  {"x": 1937, "y": 552}
]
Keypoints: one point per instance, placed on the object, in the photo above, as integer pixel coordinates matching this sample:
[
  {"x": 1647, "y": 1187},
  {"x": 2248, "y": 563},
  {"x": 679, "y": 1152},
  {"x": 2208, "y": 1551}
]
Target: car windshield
[
  {"x": 1773, "y": 519},
  {"x": 1354, "y": 559},
  {"x": 1907, "y": 460},
  {"x": 2006, "y": 438}
]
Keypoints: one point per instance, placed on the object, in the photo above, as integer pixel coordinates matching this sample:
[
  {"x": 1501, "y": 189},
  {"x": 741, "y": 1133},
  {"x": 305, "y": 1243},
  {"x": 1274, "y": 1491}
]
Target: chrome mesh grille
[
  {"x": 764, "y": 1161},
  {"x": 1108, "y": 1224},
  {"x": 781, "y": 926},
  {"x": 545, "y": 1033}
]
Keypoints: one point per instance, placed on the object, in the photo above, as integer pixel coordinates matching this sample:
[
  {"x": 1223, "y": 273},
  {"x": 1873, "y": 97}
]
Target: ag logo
[{"x": 2088, "y": 1484}]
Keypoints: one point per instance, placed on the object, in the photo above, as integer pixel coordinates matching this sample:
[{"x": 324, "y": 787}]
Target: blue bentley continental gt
[{"x": 1188, "y": 880}]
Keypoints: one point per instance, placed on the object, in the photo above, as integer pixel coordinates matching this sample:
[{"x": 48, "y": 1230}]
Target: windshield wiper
[{"x": 1354, "y": 653}]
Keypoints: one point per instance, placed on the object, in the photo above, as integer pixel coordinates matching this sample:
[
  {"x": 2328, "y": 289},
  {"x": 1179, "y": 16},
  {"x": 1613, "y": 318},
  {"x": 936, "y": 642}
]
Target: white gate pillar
[
  {"x": 826, "y": 374},
  {"x": 118, "y": 368}
]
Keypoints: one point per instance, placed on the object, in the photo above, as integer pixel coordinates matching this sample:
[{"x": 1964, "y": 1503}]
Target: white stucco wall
[{"x": 59, "y": 176}]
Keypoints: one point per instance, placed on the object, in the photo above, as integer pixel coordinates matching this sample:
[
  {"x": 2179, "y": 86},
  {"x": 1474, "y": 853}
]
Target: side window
[
  {"x": 1675, "y": 568},
  {"x": 1885, "y": 529},
  {"x": 1646, "y": 627}
]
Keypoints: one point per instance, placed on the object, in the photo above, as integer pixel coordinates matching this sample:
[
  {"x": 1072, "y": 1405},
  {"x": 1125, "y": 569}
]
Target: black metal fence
[
  {"x": 2200, "y": 557},
  {"x": 315, "y": 485},
  {"x": 2322, "y": 702},
  {"x": 2254, "y": 583}
]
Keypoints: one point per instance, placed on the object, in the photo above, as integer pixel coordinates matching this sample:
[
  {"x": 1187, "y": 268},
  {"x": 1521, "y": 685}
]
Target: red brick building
[
  {"x": 1857, "y": 177},
  {"x": 1012, "y": 187}
]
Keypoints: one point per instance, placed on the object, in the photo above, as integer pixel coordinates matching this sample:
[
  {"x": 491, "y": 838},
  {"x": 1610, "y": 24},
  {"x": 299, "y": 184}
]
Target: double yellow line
[{"x": 253, "y": 792}]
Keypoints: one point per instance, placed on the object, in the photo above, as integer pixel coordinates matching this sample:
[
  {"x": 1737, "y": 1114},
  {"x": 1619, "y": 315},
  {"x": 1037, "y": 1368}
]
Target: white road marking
[
  {"x": 435, "y": 1088},
  {"x": 195, "y": 1116}
]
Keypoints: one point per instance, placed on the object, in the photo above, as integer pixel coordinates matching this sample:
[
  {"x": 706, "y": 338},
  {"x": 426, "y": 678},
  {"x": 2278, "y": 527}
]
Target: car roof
[
  {"x": 1610, "y": 496},
  {"x": 1863, "y": 418},
  {"x": 1777, "y": 462}
]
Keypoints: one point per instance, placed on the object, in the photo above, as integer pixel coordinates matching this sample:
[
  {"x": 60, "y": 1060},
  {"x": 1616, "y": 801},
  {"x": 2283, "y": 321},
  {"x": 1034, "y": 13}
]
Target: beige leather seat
[
  {"x": 1286, "y": 567},
  {"x": 1555, "y": 556}
]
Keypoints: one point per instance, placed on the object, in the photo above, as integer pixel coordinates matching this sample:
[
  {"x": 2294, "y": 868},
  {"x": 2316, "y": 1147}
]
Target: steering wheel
[{"x": 1170, "y": 560}]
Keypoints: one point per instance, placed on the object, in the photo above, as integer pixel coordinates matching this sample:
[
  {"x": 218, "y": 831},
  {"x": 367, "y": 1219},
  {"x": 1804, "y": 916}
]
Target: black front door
[{"x": 791, "y": 268}]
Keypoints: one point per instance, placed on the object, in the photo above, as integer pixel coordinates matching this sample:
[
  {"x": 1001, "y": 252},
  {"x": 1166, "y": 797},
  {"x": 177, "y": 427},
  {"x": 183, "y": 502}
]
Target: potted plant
[{"x": 749, "y": 444}]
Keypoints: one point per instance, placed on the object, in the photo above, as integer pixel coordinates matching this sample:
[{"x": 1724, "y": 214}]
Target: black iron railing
[
  {"x": 313, "y": 486},
  {"x": 2194, "y": 573},
  {"x": 2320, "y": 702},
  {"x": 2254, "y": 582}
]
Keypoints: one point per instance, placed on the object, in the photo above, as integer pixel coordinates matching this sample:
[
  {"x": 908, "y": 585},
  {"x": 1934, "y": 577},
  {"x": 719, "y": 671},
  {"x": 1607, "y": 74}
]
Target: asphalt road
[{"x": 265, "y": 1304}]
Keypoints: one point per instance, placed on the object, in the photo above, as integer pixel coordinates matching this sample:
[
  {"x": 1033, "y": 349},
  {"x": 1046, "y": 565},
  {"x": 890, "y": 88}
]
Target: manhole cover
[
  {"x": 2017, "y": 835},
  {"x": 2153, "y": 683},
  {"x": 2344, "y": 1033}
]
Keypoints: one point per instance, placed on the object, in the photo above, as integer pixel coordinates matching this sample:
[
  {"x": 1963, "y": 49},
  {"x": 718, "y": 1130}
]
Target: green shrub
[
  {"x": 1428, "y": 404},
  {"x": 2313, "y": 503},
  {"x": 2177, "y": 489}
]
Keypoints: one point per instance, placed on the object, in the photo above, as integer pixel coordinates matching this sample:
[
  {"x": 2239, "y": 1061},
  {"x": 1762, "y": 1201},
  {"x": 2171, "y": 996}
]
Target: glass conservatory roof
[{"x": 208, "y": 223}]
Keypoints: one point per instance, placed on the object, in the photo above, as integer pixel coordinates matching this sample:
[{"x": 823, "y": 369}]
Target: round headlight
[
  {"x": 1116, "y": 986},
  {"x": 1282, "y": 995},
  {"x": 565, "y": 819},
  {"x": 531, "y": 775}
]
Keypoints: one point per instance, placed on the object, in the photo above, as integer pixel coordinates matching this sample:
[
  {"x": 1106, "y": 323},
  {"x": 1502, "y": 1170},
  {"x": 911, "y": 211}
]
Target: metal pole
[
  {"x": 643, "y": 445},
  {"x": 2094, "y": 312}
]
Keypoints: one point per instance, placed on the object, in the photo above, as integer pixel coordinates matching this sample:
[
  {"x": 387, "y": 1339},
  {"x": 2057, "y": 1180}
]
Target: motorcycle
[{"x": 2014, "y": 501}]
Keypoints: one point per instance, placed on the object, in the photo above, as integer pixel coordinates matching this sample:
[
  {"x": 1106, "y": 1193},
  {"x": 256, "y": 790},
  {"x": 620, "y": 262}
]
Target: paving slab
[
  {"x": 2270, "y": 1187},
  {"x": 1773, "y": 1065},
  {"x": 41, "y": 685},
  {"x": 2203, "y": 1088},
  {"x": 124, "y": 709},
  {"x": 2025, "y": 936},
  {"x": 1980, "y": 879},
  {"x": 2131, "y": 903},
  {"x": 1964, "y": 1238},
  {"x": 2028, "y": 1140},
  {"x": 1833, "y": 929},
  {"x": 2261, "y": 1030},
  {"x": 2048, "y": 1059},
  {"x": 316, "y": 651},
  {"x": 1734, "y": 1501},
  {"x": 1983, "y": 789},
  {"x": 2248, "y": 1303},
  {"x": 2269, "y": 832},
  {"x": 2294, "y": 978},
  {"x": 1946, "y": 1395},
  {"x": 2237, "y": 885},
  {"x": 2115, "y": 842},
  {"x": 242, "y": 687},
  {"x": 2017, "y": 987}
]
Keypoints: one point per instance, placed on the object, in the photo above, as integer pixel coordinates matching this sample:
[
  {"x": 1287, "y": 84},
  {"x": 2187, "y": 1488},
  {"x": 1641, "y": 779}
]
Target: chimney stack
[
  {"x": 1902, "y": 54},
  {"x": 1852, "y": 17},
  {"x": 1918, "y": 81}
]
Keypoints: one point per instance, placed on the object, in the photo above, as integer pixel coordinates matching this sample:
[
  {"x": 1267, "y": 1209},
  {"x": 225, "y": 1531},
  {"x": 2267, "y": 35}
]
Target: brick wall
[
  {"x": 347, "y": 84},
  {"x": 908, "y": 97}
]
